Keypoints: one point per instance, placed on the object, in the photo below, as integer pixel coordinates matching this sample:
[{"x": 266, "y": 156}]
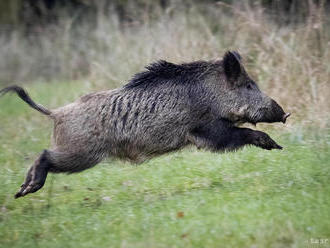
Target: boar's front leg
[
  {"x": 222, "y": 135},
  {"x": 262, "y": 140}
]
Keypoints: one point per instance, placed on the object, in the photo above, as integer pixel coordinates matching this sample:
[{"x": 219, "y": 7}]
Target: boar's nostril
[{"x": 285, "y": 116}]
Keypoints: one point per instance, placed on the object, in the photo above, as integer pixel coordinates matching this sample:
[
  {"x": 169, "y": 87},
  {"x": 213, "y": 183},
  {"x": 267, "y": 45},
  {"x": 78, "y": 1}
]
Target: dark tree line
[{"x": 31, "y": 12}]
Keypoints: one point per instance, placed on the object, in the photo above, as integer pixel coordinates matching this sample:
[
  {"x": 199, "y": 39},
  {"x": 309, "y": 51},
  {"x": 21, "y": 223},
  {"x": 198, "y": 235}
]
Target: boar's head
[{"x": 240, "y": 98}]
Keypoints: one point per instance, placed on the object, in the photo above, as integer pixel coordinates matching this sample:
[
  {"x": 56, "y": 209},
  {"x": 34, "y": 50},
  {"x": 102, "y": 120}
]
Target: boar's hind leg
[
  {"x": 222, "y": 135},
  {"x": 56, "y": 162},
  {"x": 36, "y": 175}
]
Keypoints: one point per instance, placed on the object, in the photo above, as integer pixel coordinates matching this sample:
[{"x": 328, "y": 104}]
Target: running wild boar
[{"x": 162, "y": 109}]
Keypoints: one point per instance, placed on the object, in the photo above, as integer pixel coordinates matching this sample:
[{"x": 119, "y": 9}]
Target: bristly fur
[
  {"x": 162, "y": 109},
  {"x": 161, "y": 72}
]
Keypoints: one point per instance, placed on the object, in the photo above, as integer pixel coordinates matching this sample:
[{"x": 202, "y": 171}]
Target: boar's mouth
[
  {"x": 272, "y": 119},
  {"x": 266, "y": 119}
]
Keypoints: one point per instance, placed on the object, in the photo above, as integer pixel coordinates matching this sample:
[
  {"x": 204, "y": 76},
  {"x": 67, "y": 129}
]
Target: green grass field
[{"x": 251, "y": 198}]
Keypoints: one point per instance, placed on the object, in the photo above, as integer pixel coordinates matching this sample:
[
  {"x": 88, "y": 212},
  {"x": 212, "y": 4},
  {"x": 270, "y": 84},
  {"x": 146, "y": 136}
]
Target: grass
[{"x": 251, "y": 198}]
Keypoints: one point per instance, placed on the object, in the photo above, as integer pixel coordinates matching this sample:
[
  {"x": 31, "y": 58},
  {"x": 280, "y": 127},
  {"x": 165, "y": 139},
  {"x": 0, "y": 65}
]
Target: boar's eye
[{"x": 249, "y": 86}]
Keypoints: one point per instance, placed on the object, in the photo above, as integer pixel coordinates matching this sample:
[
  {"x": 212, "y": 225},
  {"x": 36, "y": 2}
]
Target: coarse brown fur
[{"x": 162, "y": 109}]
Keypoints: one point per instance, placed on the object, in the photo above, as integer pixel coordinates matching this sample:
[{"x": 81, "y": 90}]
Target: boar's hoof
[
  {"x": 263, "y": 140},
  {"x": 34, "y": 181},
  {"x": 31, "y": 188}
]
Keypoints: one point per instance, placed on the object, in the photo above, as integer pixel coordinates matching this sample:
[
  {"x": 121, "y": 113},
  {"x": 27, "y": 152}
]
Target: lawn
[{"x": 191, "y": 198}]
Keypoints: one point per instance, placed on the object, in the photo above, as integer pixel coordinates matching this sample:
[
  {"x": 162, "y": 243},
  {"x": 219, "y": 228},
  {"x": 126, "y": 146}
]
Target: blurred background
[
  {"x": 61, "y": 49},
  {"x": 285, "y": 43}
]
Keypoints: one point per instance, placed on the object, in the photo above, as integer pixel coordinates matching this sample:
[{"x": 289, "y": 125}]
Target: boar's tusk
[{"x": 285, "y": 117}]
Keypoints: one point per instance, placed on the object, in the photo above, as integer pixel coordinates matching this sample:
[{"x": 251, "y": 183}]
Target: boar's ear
[{"x": 232, "y": 65}]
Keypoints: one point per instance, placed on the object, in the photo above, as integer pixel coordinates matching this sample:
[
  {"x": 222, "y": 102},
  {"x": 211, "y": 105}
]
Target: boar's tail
[{"x": 25, "y": 97}]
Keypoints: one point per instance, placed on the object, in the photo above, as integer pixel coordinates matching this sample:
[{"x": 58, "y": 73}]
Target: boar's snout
[
  {"x": 275, "y": 113},
  {"x": 280, "y": 112}
]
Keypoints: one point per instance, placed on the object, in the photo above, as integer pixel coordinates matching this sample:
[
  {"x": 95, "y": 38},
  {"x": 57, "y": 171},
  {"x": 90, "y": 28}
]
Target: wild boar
[{"x": 162, "y": 109}]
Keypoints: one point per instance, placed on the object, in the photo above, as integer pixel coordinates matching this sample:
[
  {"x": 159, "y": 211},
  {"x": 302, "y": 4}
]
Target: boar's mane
[{"x": 162, "y": 72}]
